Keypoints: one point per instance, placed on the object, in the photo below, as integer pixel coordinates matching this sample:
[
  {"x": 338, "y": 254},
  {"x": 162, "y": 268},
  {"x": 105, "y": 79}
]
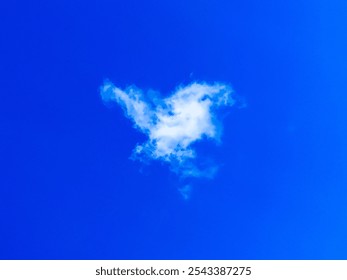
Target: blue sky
[{"x": 68, "y": 188}]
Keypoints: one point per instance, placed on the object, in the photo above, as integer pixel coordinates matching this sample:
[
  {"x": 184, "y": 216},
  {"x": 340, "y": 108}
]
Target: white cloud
[
  {"x": 185, "y": 191},
  {"x": 174, "y": 123}
]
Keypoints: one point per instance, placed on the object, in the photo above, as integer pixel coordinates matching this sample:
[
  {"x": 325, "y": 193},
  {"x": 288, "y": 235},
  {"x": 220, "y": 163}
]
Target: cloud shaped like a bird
[{"x": 174, "y": 123}]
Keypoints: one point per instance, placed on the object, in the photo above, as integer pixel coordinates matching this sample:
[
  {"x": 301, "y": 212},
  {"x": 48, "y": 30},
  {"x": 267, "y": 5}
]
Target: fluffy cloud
[{"x": 174, "y": 123}]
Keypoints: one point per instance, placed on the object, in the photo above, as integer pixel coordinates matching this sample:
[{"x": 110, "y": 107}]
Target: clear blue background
[{"x": 67, "y": 187}]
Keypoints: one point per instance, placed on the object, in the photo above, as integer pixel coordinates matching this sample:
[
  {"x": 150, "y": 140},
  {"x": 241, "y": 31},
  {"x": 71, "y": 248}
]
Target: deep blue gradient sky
[{"x": 67, "y": 187}]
